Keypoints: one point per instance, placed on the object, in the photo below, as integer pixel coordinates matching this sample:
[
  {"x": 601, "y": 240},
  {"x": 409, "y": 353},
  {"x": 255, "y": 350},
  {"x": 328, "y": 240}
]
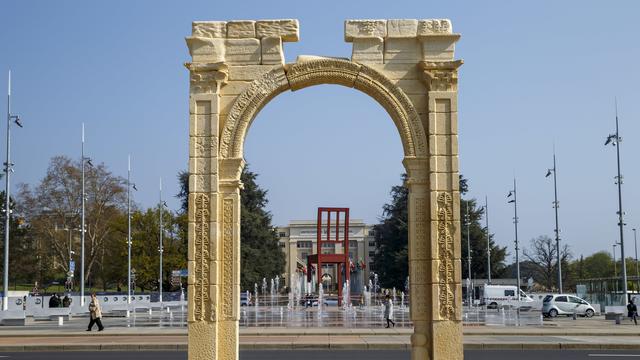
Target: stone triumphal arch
[{"x": 408, "y": 67}]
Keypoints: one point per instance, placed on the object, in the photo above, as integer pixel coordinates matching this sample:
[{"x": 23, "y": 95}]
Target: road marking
[{"x": 614, "y": 355}]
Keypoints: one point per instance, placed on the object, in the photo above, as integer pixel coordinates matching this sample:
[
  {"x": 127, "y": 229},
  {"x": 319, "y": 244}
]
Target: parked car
[
  {"x": 563, "y": 304},
  {"x": 498, "y": 296}
]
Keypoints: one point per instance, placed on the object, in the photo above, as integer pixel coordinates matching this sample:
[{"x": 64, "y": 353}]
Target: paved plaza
[{"x": 328, "y": 354}]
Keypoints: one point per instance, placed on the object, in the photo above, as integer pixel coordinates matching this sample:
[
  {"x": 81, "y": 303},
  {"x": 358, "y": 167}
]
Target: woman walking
[
  {"x": 388, "y": 311},
  {"x": 95, "y": 313}
]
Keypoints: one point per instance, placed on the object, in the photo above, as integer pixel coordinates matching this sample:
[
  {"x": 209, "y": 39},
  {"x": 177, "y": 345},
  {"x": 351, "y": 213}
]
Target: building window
[
  {"x": 353, "y": 243},
  {"x": 372, "y": 233},
  {"x": 328, "y": 246},
  {"x": 304, "y": 244},
  {"x": 303, "y": 255},
  {"x": 371, "y": 267},
  {"x": 283, "y": 245},
  {"x": 372, "y": 254},
  {"x": 372, "y": 244},
  {"x": 282, "y": 234}
]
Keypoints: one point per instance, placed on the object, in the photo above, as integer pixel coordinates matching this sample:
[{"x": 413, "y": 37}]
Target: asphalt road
[{"x": 331, "y": 355}]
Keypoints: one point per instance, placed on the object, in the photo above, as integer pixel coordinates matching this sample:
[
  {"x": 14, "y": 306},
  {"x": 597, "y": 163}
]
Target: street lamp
[
  {"x": 615, "y": 139},
  {"x": 556, "y": 204},
  {"x": 161, "y": 205},
  {"x": 635, "y": 241},
  {"x": 7, "y": 210},
  {"x": 129, "y": 186},
  {"x": 87, "y": 161},
  {"x": 486, "y": 219},
  {"x": 615, "y": 270},
  {"x": 514, "y": 201}
]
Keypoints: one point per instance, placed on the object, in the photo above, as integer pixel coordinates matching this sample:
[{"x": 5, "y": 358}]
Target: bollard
[
  {"x": 150, "y": 312},
  {"x": 128, "y": 313},
  {"x": 618, "y": 317},
  {"x": 60, "y": 320},
  {"x": 575, "y": 316}
]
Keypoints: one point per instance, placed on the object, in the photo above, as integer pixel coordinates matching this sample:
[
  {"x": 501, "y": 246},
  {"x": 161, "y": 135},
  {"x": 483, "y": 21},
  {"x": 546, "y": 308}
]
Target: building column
[{"x": 205, "y": 82}]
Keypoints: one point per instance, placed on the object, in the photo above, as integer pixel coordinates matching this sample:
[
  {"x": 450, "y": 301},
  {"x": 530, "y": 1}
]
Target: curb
[{"x": 323, "y": 346}]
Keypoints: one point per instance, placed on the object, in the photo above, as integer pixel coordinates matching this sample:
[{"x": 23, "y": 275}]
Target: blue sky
[{"x": 534, "y": 73}]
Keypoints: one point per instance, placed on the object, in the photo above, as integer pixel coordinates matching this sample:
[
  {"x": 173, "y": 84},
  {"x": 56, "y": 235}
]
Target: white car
[{"x": 563, "y": 304}]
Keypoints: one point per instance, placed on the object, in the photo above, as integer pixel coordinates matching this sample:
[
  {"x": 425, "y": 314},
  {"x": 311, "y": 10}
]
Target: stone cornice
[{"x": 440, "y": 65}]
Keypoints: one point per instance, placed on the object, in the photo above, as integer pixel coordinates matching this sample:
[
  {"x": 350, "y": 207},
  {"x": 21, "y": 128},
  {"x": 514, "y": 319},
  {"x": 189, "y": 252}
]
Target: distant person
[
  {"x": 95, "y": 313},
  {"x": 53, "y": 301},
  {"x": 632, "y": 312},
  {"x": 388, "y": 311},
  {"x": 58, "y": 300},
  {"x": 66, "y": 302}
]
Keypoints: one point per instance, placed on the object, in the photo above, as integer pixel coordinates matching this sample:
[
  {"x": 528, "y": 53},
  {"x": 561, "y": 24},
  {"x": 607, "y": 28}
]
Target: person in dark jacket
[
  {"x": 632, "y": 311},
  {"x": 53, "y": 301}
]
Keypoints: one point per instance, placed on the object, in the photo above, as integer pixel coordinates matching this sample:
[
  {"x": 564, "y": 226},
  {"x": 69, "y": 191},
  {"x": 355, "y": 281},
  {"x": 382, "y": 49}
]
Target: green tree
[
  {"x": 543, "y": 255},
  {"x": 391, "y": 259},
  {"x": 261, "y": 255},
  {"x": 391, "y": 235},
  {"x": 23, "y": 247},
  {"x": 478, "y": 240}
]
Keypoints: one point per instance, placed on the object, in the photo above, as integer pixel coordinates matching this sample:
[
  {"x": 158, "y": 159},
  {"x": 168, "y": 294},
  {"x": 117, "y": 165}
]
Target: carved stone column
[
  {"x": 206, "y": 79},
  {"x": 442, "y": 329}
]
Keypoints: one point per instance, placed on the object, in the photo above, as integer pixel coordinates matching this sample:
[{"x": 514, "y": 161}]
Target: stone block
[
  {"x": 226, "y": 102},
  {"x": 203, "y": 146},
  {"x": 203, "y": 182},
  {"x": 402, "y": 28},
  {"x": 444, "y": 163},
  {"x": 272, "y": 50},
  {"x": 214, "y": 272},
  {"x": 437, "y": 105},
  {"x": 204, "y": 49},
  {"x": 234, "y": 87},
  {"x": 368, "y": 50},
  {"x": 419, "y": 102},
  {"x": 412, "y": 87},
  {"x": 203, "y": 338},
  {"x": 241, "y": 29},
  {"x": 443, "y": 123},
  {"x": 395, "y": 71},
  {"x": 399, "y": 50},
  {"x": 444, "y": 182},
  {"x": 434, "y": 27},
  {"x": 287, "y": 30},
  {"x": 248, "y": 72},
  {"x": 198, "y": 103},
  {"x": 358, "y": 29},
  {"x": 212, "y": 29},
  {"x": 242, "y": 51},
  {"x": 438, "y": 48}
]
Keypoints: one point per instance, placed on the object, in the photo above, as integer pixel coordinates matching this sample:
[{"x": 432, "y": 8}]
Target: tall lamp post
[
  {"x": 7, "y": 203},
  {"x": 556, "y": 204},
  {"x": 635, "y": 241},
  {"x": 161, "y": 206},
  {"x": 615, "y": 270},
  {"x": 486, "y": 219},
  {"x": 615, "y": 139},
  {"x": 514, "y": 201},
  {"x": 83, "y": 230}
]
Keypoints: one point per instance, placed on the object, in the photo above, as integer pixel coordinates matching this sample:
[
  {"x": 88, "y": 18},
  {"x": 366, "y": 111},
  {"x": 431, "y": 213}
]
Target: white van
[{"x": 498, "y": 296}]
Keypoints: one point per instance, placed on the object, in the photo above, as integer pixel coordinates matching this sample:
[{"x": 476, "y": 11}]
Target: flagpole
[
  {"x": 129, "y": 229},
  {"x": 161, "y": 250},
  {"x": 7, "y": 171},
  {"x": 486, "y": 218},
  {"x": 82, "y": 228}
]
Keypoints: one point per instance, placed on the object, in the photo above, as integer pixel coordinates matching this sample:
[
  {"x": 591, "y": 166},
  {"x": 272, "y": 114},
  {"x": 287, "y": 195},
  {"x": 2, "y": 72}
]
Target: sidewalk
[{"x": 592, "y": 334}]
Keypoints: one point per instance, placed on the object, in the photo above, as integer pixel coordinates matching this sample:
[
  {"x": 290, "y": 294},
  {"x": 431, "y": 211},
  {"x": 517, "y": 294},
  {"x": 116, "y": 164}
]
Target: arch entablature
[{"x": 318, "y": 71}]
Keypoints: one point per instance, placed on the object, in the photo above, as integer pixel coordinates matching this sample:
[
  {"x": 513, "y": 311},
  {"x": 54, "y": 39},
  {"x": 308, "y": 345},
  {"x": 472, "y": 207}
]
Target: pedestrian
[
  {"x": 632, "y": 312},
  {"x": 388, "y": 311},
  {"x": 53, "y": 301},
  {"x": 66, "y": 302},
  {"x": 95, "y": 313}
]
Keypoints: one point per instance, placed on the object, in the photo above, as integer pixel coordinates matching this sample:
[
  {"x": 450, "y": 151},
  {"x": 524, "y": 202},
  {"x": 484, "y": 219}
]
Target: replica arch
[{"x": 408, "y": 67}]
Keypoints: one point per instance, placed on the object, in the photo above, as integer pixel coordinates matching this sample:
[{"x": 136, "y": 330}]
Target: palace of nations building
[{"x": 298, "y": 240}]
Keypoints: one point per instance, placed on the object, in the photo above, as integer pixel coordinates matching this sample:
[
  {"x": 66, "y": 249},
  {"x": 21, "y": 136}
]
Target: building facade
[{"x": 298, "y": 240}]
